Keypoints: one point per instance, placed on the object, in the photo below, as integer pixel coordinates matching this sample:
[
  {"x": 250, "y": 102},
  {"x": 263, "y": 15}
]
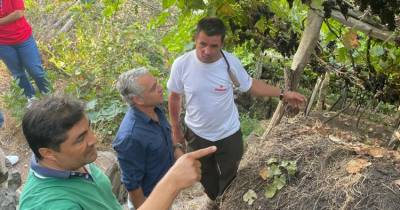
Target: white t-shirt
[{"x": 210, "y": 109}]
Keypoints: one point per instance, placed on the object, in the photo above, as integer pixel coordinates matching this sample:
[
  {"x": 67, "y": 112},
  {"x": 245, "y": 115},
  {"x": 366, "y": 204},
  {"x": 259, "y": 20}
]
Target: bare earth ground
[
  {"x": 11, "y": 138},
  {"x": 322, "y": 153},
  {"x": 321, "y": 181}
]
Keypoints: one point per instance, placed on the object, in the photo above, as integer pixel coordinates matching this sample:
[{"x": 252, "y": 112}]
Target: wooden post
[
  {"x": 314, "y": 93},
  {"x": 306, "y": 48}
]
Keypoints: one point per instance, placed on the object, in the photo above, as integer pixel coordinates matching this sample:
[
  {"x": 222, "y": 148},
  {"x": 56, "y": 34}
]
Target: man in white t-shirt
[{"x": 206, "y": 77}]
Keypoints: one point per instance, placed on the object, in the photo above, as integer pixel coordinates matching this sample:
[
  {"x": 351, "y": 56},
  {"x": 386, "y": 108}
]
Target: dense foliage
[{"x": 105, "y": 38}]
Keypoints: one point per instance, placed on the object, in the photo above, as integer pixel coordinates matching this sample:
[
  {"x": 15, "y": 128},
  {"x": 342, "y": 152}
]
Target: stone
[{"x": 107, "y": 162}]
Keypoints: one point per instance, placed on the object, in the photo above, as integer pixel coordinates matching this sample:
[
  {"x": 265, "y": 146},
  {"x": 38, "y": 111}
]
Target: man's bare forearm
[
  {"x": 137, "y": 197},
  {"x": 17, "y": 14},
  {"x": 184, "y": 173},
  {"x": 260, "y": 88},
  {"x": 162, "y": 196},
  {"x": 174, "y": 106}
]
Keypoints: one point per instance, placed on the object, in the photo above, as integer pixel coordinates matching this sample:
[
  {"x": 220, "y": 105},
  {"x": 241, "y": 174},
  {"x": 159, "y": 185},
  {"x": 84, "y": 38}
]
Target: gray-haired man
[{"x": 143, "y": 142}]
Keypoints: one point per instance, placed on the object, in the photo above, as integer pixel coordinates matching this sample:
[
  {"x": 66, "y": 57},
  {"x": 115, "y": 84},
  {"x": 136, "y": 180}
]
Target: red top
[{"x": 15, "y": 32}]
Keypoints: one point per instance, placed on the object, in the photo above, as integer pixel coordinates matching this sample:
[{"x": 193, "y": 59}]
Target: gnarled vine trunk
[
  {"x": 395, "y": 140},
  {"x": 322, "y": 92},
  {"x": 306, "y": 48},
  {"x": 314, "y": 93}
]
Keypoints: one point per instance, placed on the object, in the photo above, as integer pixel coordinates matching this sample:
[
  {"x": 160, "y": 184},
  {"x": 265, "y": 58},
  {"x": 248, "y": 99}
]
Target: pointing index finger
[{"x": 202, "y": 152}]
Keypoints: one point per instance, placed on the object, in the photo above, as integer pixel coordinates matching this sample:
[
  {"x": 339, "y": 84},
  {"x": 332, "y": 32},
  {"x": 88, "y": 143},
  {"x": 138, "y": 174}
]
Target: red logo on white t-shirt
[{"x": 221, "y": 88}]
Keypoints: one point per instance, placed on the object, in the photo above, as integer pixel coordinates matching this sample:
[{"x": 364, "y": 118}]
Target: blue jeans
[
  {"x": 22, "y": 58},
  {"x": 1, "y": 119}
]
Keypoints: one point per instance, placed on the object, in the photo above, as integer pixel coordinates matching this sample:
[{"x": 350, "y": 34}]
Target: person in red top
[{"x": 18, "y": 49}]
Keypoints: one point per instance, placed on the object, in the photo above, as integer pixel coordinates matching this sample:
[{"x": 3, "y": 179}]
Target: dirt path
[{"x": 12, "y": 141}]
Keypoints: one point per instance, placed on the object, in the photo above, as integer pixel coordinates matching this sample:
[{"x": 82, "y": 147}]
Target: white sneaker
[
  {"x": 30, "y": 102},
  {"x": 12, "y": 159}
]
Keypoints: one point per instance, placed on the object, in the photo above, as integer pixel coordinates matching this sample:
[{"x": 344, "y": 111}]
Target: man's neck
[{"x": 149, "y": 111}]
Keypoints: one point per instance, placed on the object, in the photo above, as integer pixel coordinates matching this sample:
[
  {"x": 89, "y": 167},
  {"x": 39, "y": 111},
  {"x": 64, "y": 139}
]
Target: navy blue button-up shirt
[{"x": 144, "y": 149}]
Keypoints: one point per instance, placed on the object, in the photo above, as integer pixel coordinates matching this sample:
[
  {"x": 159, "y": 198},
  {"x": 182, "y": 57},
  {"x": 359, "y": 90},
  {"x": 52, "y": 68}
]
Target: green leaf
[
  {"x": 196, "y": 4},
  {"x": 342, "y": 54},
  {"x": 279, "y": 182},
  {"x": 275, "y": 170},
  {"x": 108, "y": 11},
  {"x": 377, "y": 51},
  {"x": 383, "y": 64},
  {"x": 292, "y": 168},
  {"x": 181, "y": 4},
  {"x": 91, "y": 104},
  {"x": 317, "y": 4},
  {"x": 167, "y": 3},
  {"x": 261, "y": 24},
  {"x": 159, "y": 20},
  {"x": 226, "y": 10},
  {"x": 284, "y": 163},
  {"x": 272, "y": 160},
  {"x": 249, "y": 197},
  {"x": 270, "y": 191},
  {"x": 392, "y": 55},
  {"x": 279, "y": 7}
]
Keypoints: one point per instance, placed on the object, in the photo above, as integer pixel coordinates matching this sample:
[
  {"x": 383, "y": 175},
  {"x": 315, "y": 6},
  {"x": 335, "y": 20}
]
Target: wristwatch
[{"x": 281, "y": 96}]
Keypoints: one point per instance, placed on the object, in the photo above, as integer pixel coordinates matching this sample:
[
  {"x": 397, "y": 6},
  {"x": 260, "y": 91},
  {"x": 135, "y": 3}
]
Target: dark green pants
[{"x": 219, "y": 169}]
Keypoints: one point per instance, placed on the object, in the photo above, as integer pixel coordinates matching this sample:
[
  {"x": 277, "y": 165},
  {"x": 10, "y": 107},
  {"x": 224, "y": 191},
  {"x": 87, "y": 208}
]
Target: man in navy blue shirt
[{"x": 143, "y": 142}]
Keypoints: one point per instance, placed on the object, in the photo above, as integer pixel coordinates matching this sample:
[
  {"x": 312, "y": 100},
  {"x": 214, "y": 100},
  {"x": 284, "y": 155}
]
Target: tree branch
[{"x": 364, "y": 27}]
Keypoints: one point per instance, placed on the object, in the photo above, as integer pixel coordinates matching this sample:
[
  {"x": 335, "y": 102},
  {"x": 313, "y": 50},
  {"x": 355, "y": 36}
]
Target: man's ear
[
  {"x": 137, "y": 100},
  {"x": 47, "y": 153}
]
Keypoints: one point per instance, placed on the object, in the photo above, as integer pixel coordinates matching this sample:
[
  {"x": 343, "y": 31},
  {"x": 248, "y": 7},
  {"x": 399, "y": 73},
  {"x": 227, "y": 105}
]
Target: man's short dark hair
[
  {"x": 46, "y": 123},
  {"x": 211, "y": 26}
]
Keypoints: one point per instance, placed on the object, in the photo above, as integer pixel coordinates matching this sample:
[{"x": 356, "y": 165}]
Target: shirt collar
[
  {"x": 142, "y": 115},
  {"x": 44, "y": 172}
]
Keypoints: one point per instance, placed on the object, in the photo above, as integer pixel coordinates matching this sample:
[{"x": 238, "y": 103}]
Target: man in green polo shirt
[{"x": 62, "y": 174}]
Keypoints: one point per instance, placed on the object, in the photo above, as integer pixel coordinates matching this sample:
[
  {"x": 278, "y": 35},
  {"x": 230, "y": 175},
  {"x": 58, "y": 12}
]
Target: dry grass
[{"x": 321, "y": 182}]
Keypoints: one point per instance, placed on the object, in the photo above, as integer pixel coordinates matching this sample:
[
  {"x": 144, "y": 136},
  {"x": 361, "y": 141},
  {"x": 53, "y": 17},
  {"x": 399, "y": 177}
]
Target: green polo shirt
[{"x": 50, "y": 189}]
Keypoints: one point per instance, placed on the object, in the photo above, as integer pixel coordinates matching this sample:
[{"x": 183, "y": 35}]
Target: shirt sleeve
[
  {"x": 18, "y": 4},
  {"x": 243, "y": 77},
  {"x": 175, "y": 83},
  {"x": 131, "y": 156}
]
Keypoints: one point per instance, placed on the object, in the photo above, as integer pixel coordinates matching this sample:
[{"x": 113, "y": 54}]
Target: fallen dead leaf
[
  {"x": 397, "y": 134},
  {"x": 321, "y": 128},
  {"x": 395, "y": 155},
  {"x": 350, "y": 40},
  {"x": 318, "y": 124},
  {"x": 356, "y": 165},
  {"x": 264, "y": 173},
  {"x": 361, "y": 150},
  {"x": 336, "y": 139},
  {"x": 291, "y": 120},
  {"x": 397, "y": 182},
  {"x": 376, "y": 152}
]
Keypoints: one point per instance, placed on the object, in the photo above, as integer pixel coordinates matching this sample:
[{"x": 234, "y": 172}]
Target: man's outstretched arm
[
  {"x": 184, "y": 173},
  {"x": 261, "y": 89}
]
